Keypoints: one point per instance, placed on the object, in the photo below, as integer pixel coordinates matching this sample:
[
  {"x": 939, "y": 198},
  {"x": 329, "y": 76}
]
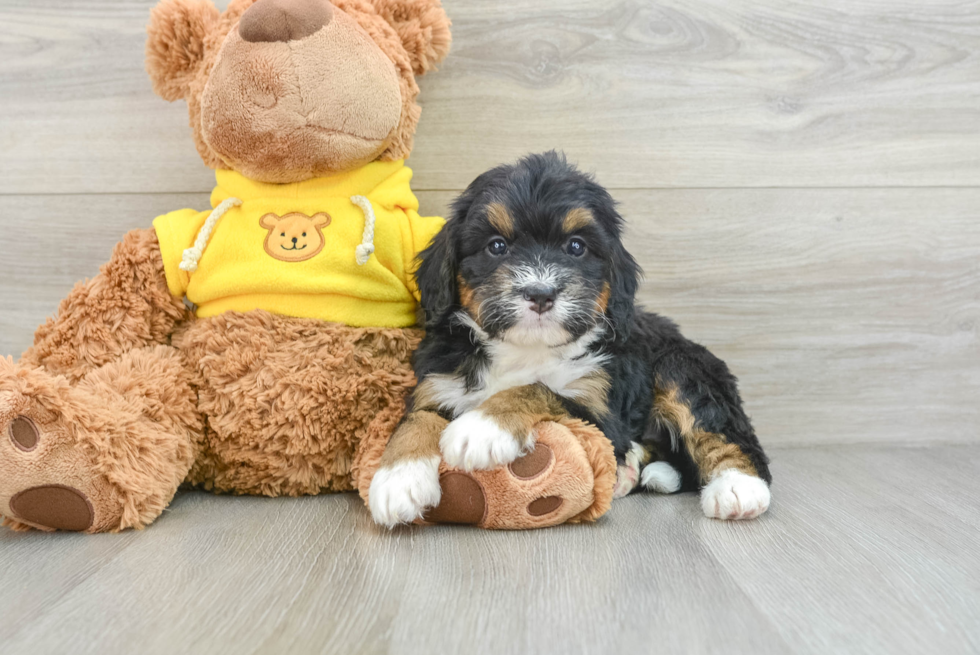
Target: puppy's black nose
[
  {"x": 541, "y": 297},
  {"x": 295, "y": 240}
]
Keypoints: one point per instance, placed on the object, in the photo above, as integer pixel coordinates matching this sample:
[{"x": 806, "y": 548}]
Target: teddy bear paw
[
  {"x": 512, "y": 496},
  {"x": 33, "y": 490},
  {"x": 46, "y": 479}
]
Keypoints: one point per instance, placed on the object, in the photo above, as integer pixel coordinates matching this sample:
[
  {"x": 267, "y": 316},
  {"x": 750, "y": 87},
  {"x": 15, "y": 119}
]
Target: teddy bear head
[{"x": 287, "y": 90}]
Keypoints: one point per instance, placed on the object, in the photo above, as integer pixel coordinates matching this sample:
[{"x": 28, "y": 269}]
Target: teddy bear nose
[{"x": 283, "y": 20}]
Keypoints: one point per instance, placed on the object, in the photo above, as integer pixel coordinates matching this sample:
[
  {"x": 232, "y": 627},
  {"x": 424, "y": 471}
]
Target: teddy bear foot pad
[
  {"x": 44, "y": 485},
  {"x": 555, "y": 483}
]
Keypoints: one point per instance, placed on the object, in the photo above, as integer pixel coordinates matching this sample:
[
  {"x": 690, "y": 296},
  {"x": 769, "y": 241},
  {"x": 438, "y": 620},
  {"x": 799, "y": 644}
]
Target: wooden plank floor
[{"x": 867, "y": 549}]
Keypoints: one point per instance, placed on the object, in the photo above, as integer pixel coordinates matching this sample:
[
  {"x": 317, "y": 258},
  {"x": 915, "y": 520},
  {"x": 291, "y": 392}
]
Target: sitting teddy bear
[{"x": 263, "y": 346}]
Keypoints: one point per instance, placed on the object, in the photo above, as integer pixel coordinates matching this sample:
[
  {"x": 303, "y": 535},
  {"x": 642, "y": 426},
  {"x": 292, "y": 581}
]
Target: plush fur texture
[
  {"x": 580, "y": 474},
  {"x": 572, "y": 477},
  {"x": 126, "y": 306},
  {"x": 294, "y": 86},
  {"x": 124, "y": 436},
  {"x": 125, "y": 395},
  {"x": 528, "y": 296},
  {"x": 129, "y": 394},
  {"x": 292, "y": 402},
  {"x": 240, "y": 403}
]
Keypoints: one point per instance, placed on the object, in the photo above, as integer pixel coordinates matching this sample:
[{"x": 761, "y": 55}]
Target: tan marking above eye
[
  {"x": 576, "y": 219},
  {"x": 500, "y": 219}
]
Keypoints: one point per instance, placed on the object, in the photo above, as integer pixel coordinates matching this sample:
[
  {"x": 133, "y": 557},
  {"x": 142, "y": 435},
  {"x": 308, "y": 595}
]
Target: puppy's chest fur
[{"x": 570, "y": 371}]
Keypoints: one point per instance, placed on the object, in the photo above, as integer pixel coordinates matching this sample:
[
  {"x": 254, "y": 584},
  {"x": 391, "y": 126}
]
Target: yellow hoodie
[{"x": 295, "y": 249}]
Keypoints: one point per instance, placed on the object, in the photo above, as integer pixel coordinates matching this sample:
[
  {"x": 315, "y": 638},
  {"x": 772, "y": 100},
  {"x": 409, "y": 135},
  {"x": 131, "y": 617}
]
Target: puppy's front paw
[
  {"x": 401, "y": 493},
  {"x": 732, "y": 494},
  {"x": 474, "y": 441}
]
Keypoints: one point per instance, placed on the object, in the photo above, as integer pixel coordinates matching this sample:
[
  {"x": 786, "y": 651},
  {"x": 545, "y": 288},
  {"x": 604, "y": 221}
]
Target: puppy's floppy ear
[
  {"x": 436, "y": 274},
  {"x": 438, "y": 268},
  {"x": 423, "y": 28},
  {"x": 175, "y": 44},
  {"x": 624, "y": 280}
]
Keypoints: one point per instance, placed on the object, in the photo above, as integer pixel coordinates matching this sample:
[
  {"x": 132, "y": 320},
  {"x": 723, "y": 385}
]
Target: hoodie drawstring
[
  {"x": 193, "y": 254},
  {"x": 363, "y": 251}
]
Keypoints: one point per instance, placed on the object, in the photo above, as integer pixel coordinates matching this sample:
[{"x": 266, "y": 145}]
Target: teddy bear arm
[{"x": 126, "y": 306}]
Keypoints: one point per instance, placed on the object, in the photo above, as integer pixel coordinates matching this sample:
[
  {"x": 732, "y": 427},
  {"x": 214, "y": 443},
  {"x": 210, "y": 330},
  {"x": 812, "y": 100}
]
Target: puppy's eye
[
  {"x": 497, "y": 246},
  {"x": 575, "y": 247}
]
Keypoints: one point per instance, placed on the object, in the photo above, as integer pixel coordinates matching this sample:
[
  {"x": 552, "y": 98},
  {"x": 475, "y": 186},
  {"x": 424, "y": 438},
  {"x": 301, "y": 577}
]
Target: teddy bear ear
[
  {"x": 175, "y": 44},
  {"x": 423, "y": 27}
]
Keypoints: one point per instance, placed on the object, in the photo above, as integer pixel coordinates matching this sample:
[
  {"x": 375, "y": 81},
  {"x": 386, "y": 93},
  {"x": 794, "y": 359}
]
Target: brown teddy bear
[{"x": 263, "y": 346}]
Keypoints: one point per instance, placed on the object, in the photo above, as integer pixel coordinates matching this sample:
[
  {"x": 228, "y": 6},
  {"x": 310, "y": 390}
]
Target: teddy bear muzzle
[
  {"x": 287, "y": 100},
  {"x": 284, "y": 20}
]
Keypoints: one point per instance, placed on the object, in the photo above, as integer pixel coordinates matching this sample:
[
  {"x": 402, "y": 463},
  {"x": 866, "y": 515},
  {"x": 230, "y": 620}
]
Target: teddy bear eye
[
  {"x": 304, "y": 234},
  {"x": 283, "y": 234}
]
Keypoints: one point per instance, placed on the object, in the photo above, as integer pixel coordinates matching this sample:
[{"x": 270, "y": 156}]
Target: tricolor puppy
[{"x": 528, "y": 300}]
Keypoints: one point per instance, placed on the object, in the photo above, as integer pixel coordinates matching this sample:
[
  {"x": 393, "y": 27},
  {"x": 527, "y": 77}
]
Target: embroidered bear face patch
[{"x": 294, "y": 237}]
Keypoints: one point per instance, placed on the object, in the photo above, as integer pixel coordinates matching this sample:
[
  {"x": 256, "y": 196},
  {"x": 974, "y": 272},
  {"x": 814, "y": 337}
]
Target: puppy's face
[
  {"x": 535, "y": 275},
  {"x": 534, "y": 254}
]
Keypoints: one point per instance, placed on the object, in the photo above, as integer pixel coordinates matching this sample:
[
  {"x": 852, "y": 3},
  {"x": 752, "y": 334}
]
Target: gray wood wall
[{"x": 802, "y": 179}]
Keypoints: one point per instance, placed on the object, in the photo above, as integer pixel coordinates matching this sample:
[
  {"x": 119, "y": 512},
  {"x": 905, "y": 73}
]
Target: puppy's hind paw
[
  {"x": 401, "y": 493},
  {"x": 476, "y": 442},
  {"x": 661, "y": 477},
  {"x": 734, "y": 495},
  {"x": 628, "y": 473}
]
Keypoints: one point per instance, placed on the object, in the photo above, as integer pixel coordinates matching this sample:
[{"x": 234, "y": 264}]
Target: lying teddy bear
[{"x": 263, "y": 346}]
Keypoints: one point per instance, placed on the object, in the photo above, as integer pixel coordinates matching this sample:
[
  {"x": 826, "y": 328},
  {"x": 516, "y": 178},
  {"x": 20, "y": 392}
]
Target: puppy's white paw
[
  {"x": 626, "y": 479},
  {"x": 661, "y": 477},
  {"x": 732, "y": 494},
  {"x": 628, "y": 473},
  {"x": 401, "y": 493},
  {"x": 474, "y": 441}
]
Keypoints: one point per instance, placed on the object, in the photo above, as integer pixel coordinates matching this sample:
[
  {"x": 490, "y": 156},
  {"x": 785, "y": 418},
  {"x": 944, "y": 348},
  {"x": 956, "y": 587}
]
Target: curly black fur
[{"x": 641, "y": 353}]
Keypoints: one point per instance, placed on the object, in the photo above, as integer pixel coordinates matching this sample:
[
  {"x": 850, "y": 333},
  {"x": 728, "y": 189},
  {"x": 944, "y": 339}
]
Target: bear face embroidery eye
[
  {"x": 304, "y": 234},
  {"x": 497, "y": 246},
  {"x": 575, "y": 247},
  {"x": 283, "y": 234}
]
